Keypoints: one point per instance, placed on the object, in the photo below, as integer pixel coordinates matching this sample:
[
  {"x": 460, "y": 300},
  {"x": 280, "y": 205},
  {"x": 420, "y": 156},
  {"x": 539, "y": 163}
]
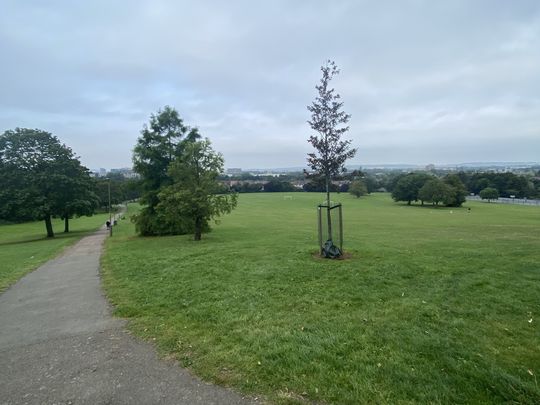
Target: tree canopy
[
  {"x": 179, "y": 175},
  {"x": 489, "y": 193},
  {"x": 435, "y": 191},
  {"x": 161, "y": 143},
  {"x": 425, "y": 187},
  {"x": 195, "y": 196},
  {"x": 408, "y": 186},
  {"x": 329, "y": 121},
  {"x": 42, "y": 178},
  {"x": 358, "y": 188}
]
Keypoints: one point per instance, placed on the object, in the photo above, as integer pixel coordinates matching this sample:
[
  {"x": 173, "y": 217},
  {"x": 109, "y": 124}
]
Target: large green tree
[
  {"x": 160, "y": 144},
  {"x": 435, "y": 191},
  {"x": 195, "y": 197},
  {"x": 489, "y": 193},
  {"x": 41, "y": 178},
  {"x": 408, "y": 186},
  {"x": 358, "y": 188},
  {"x": 458, "y": 193}
]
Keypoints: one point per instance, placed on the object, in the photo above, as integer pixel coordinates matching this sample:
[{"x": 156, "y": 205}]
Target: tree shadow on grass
[{"x": 57, "y": 236}]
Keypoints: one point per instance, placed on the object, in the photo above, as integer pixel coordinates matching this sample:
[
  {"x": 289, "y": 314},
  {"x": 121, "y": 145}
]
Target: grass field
[
  {"x": 434, "y": 306},
  {"x": 24, "y": 247}
]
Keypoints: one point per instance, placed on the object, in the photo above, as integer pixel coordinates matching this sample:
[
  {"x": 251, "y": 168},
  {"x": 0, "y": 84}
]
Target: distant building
[
  {"x": 126, "y": 172},
  {"x": 234, "y": 171}
]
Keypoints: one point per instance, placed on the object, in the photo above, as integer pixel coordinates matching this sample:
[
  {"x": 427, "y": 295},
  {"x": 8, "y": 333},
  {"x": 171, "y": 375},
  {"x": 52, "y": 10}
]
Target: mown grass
[
  {"x": 24, "y": 247},
  {"x": 434, "y": 306}
]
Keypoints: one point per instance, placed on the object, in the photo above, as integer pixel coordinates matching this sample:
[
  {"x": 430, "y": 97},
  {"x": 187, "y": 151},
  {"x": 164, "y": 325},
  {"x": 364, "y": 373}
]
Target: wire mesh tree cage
[{"x": 330, "y": 227}]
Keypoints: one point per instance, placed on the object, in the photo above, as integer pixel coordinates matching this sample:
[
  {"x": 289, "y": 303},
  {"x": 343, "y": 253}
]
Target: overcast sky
[{"x": 425, "y": 81}]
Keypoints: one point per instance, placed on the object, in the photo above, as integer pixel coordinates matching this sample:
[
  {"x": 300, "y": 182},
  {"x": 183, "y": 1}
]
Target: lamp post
[{"x": 110, "y": 216}]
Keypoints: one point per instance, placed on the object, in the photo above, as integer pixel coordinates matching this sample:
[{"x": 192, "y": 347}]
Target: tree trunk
[
  {"x": 66, "y": 224},
  {"x": 198, "y": 228},
  {"x": 328, "y": 216},
  {"x": 48, "y": 225}
]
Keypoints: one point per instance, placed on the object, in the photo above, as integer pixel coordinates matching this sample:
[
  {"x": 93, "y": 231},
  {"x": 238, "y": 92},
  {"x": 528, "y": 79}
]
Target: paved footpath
[{"x": 59, "y": 344}]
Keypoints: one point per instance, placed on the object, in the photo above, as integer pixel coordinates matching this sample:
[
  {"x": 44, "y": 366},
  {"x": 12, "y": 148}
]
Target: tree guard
[{"x": 330, "y": 227}]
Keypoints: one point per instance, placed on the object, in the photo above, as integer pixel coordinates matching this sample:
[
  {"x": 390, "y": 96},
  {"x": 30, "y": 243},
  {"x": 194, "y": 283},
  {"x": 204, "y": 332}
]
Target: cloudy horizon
[{"x": 425, "y": 82}]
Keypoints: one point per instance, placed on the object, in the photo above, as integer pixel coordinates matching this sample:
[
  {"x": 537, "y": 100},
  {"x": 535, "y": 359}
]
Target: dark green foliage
[
  {"x": 408, "y": 186},
  {"x": 192, "y": 200},
  {"x": 274, "y": 186},
  {"x": 122, "y": 189},
  {"x": 246, "y": 187},
  {"x": 160, "y": 144},
  {"x": 372, "y": 184},
  {"x": 458, "y": 190},
  {"x": 318, "y": 184},
  {"x": 329, "y": 121},
  {"x": 159, "y": 222},
  {"x": 435, "y": 191},
  {"x": 358, "y": 188},
  {"x": 42, "y": 178},
  {"x": 489, "y": 193},
  {"x": 507, "y": 184},
  {"x": 425, "y": 187}
]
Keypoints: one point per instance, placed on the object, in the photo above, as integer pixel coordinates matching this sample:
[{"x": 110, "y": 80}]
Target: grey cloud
[{"x": 414, "y": 75}]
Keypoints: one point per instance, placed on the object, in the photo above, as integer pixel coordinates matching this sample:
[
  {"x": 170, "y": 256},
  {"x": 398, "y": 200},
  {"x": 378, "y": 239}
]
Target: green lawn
[
  {"x": 435, "y": 305},
  {"x": 24, "y": 247}
]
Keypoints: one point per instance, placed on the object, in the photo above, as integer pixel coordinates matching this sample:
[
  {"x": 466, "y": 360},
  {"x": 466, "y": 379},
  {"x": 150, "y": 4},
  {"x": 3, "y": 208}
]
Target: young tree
[
  {"x": 160, "y": 144},
  {"x": 489, "y": 193},
  {"x": 329, "y": 121},
  {"x": 41, "y": 178},
  {"x": 193, "y": 199},
  {"x": 358, "y": 188}
]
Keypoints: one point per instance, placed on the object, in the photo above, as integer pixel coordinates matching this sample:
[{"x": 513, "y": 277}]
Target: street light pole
[{"x": 110, "y": 217}]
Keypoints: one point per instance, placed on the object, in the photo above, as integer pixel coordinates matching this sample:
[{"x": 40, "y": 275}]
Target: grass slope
[
  {"x": 24, "y": 247},
  {"x": 434, "y": 306}
]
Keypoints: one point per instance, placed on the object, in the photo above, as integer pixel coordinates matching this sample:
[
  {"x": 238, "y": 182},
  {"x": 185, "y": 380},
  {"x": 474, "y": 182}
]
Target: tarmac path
[{"x": 59, "y": 344}]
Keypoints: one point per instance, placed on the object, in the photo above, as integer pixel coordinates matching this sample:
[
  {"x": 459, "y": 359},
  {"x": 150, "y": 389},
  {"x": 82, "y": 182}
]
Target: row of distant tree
[
  {"x": 41, "y": 179},
  {"x": 506, "y": 184},
  {"x": 427, "y": 188}
]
